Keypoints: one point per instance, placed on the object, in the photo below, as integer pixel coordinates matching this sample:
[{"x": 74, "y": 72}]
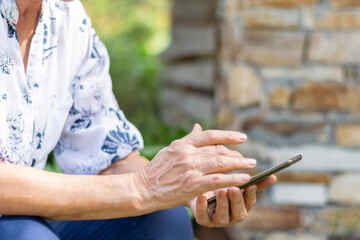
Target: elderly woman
[{"x": 55, "y": 94}]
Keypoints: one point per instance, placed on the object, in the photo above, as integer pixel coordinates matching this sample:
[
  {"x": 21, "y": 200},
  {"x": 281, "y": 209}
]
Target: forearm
[
  {"x": 29, "y": 191},
  {"x": 132, "y": 163}
]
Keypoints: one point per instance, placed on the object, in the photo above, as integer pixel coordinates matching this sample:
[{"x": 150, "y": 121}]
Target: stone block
[
  {"x": 342, "y": 118},
  {"x": 316, "y": 19},
  {"x": 190, "y": 42},
  {"x": 228, "y": 9},
  {"x": 270, "y": 19},
  {"x": 303, "y": 177},
  {"x": 272, "y": 48},
  {"x": 183, "y": 108},
  {"x": 228, "y": 41},
  {"x": 317, "y": 158},
  {"x": 225, "y": 117},
  {"x": 194, "y": 12},
  {"x": 345, "y": 3},
  {"x": 301, "y": 194},
  {"x": 344, "y": 189},
  {"x": 280, "y": 98},
  {"x": 352, "y": 74},
  {"x": 326, "y": 96},
  {"x": 272, "y": 218},
  {"x": 277, "y": 3},
  {"x": 284, "y": 127},
  {"x": 307, "y": 119},
  {"x": 336, "y": 221},
  {"x": 313, "y": 72},
  {"x": 196, "y": 74},
  {"x": 334, "y": 47},
  {"x": 287, "y": 138},
  {"x": 278, "y": 129},
  {"x": 294, "y": 177},
  {"x": 243, "y": 86},
  {"x": 348, "y": 135}
]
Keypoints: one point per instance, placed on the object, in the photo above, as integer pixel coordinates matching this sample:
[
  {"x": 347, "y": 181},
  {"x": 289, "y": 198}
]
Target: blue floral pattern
[
  {"x": 9, "y": 12},
  {"x": 6, "y": 63},
  {"x": 64, "y": 102},
  {"x": 5, "y": 155},
  {"x": 11, "y": 29},
  {"x": 116, "y": 138}
]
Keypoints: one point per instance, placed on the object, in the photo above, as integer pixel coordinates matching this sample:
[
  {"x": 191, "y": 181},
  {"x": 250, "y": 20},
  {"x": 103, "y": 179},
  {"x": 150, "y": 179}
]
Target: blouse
[{"x": 64, "y": 101}]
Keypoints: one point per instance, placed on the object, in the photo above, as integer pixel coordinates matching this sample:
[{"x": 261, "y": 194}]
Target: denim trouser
[{"x": 165, "y": 224}]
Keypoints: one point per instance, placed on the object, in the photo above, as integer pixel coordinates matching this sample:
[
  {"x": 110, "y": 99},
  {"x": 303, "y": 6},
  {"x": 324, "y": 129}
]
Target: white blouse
[{"x": 64, "y": 101}]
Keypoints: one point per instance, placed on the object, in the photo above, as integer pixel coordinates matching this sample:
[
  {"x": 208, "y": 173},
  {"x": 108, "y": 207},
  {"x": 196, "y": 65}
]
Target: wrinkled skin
[{"x": 190, "y": 169}]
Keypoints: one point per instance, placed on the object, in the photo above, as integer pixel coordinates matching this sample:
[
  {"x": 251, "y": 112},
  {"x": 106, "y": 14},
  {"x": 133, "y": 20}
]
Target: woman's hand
[
  {"x": 232, "y": 205},
  {"x": 192, "y": 166}
]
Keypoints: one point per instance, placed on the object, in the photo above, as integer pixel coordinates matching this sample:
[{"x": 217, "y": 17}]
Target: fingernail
[
  {"x": 252, "y": 162},
  {"x": 242, "y": 136},
  {"x": 245, "y": 177}
]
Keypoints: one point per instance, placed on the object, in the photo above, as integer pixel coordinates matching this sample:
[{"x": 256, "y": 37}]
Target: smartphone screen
[{"x": 265, "y": 174}]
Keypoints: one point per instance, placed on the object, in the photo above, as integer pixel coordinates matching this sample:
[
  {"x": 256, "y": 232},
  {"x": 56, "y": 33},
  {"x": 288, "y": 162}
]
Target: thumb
[{"x": 196, "y": 129}]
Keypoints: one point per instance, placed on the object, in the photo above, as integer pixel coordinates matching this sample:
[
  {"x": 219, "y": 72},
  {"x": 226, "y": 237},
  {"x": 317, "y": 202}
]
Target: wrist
[{"x": 146, "y": 200}]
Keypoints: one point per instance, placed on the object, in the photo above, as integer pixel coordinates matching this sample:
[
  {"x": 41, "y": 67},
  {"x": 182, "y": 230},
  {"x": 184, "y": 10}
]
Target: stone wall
[{"x": 287, "y": 73}]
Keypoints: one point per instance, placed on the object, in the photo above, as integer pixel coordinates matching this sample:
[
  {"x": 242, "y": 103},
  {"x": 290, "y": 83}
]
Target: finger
[
  {"x": 209, "y": 194},
  {"x": 196, "y": 129},
  {"x": 222, "y": 164},
  {"x": 267, "y": 182},
  {"x": 222, "y": 216},
  {"x": 216, "y": 150},
  {"x": 250, "y": 197},
  {"x": 218, "y": 180},
  {"x": 237, "y": 204},
  {"x": 201, "y": 212},
  {"x": 213, "y": 137}
]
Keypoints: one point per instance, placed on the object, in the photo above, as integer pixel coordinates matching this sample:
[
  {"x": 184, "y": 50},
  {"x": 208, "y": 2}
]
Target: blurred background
[{"x": 286, "y": 72}]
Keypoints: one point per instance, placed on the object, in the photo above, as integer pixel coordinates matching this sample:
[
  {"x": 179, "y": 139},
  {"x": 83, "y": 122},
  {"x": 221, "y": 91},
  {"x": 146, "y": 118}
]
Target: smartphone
[{"x": 264, "y": 174}]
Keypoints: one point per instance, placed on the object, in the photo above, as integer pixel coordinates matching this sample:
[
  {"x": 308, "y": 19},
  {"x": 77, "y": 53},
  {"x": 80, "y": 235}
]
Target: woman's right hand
[{"x": 192, "y": 166}]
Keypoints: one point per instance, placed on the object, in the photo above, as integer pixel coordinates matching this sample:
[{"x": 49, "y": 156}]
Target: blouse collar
[{"x": 9, "y": 11}]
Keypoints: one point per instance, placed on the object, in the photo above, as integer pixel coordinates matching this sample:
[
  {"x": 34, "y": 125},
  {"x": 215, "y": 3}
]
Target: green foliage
[{"x": 51, "y": 164}]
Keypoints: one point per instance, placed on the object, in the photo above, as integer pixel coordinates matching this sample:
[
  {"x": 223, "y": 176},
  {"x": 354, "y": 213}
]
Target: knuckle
[
  {"x": 176, "y": 144},
  {"x": 220, "y": 162},
  {"x": 238, "y": 154},
  {"x": 182, "y": 154},
  {"x": 250, "y": 205},
  {"x": 192, "y": 166},
  {"x": 180, "y": 149},
  {"x": 243, "y": 216},
  {"x": 215, "y": 179},
  {"x": 234, "y": 180},
  {"x": 201, "y": 221},
  {"x": 196, "y": 182},
  {"x": 169, "y": 150},
  {"x": 209, "y": 135},
  {"x": 221, "y": 149},
  {"x": 222, "y": 222}
]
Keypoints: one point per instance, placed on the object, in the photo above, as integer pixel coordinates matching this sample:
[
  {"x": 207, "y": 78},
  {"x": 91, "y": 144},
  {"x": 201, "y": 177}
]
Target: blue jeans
[{"x": 170, "y": 224}]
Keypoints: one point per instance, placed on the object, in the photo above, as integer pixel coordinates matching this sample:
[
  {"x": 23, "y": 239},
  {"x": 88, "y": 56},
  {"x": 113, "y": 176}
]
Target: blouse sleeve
[{"x": 96, "y": 132}]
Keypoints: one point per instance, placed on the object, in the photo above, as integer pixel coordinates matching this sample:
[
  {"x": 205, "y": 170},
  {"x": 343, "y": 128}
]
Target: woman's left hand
[{"x": 232, "y": 205}]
